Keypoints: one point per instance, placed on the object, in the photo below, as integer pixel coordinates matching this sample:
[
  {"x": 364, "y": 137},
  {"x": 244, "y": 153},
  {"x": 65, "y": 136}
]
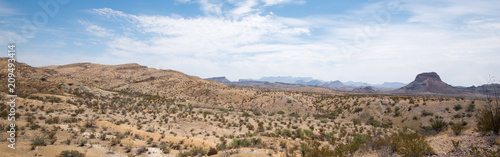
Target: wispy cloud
[
  {"x": 277, "y": 2},
  {"x": 204, "y": 35},
  {"x": 96, "y": 30},
  {"x": 5, "y": 10}
]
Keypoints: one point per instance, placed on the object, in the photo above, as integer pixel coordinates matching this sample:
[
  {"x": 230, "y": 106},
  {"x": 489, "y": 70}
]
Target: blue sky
[{"x": 373, "y": 41}]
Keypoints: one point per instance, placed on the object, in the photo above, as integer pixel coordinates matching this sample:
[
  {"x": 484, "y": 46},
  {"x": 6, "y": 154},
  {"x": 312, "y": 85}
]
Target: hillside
[{"x": 133, "y": 110}]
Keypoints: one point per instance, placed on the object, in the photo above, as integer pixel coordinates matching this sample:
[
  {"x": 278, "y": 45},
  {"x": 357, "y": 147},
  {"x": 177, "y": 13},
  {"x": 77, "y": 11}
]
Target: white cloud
[
  {"x": 96, "y": 30},
  {"x": 211, "y": 8},
  {"x": 244, "y": 7},
  {"x": 276, "y": 2},
  {"x": 183, "y": 1},
  {"x": 243, "y": 42},
  {"x": 204, "y": 35}
]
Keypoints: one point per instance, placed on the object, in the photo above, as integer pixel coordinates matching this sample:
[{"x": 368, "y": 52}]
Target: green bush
[
  {"x": 471, "y": 108},
  {"x": 373, "y": 122},
  {"x": 358, "y": 109},
  {"x": 404, "y": 144},
  {"x": 193, "y": 152},
  {"x": 427, "y": 113},
  {"x": 439, "y": 125},
  {"x": 245, "y": 114},
  {"x": 314, "y": 149},
  {"x": 237, "y": 143},
  {"x": 71, "y": 153},
  {"x": 356, "y": 121},
  {"x": 164, "y": 148},
  {"x": 457, "y": 107}
]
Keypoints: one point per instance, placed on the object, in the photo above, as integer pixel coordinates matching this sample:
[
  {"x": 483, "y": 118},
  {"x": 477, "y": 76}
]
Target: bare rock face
[
  {"x": 428, "y": 76},
  {"x": 429, "y": 82}
]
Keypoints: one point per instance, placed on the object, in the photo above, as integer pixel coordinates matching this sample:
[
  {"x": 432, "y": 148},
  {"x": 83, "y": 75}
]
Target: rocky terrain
[{"x": 131, "y": 110}]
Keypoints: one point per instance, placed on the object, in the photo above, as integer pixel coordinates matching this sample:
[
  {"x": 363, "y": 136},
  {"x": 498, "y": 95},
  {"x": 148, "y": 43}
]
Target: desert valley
[{"x": 87, "y": 109}]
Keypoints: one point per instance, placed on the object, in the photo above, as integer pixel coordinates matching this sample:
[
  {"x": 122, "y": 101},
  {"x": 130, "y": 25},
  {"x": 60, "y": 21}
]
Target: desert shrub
[
  {"x": 257, "y": 113},
  {"x": 397, "y": 113},
  {"x": 488, "y": 120},
  {"x": 457, "y": 107},
  {"x": 405, "y": 144},
  {"x": 358, "y": 109},
  {"x": 221, "y": 146},
  {"x": 308, "y": 133},
  {"x": 427, "y": 113},
  {"x": 164, "y": 148},
  {"x": 294, "y": 114},
  {"x": 358, "y": 141},
  {"x": 287, "y": 133},
  {"x": 456, "y": 145},
  {"x": 471, "y": 108},
  {"x": 439, "y": 125},
  {"x": 281, "y": 112},
  {"x": 245, "y": 114},
  {"x": 476, "y": 152},
  {"x": 356, "y": 121},
  {"x": 68, "y": 140},
  {"x": 82, "y": 143},
  {"x": 141, "y": 150},
  {"x": 103, "y": 136},
  {"x": 458, "y": 128},
  {"x": 313, "y": 148},
  {"x": 71, "y": 153},
  {"x": 192, "y": 152},
  {"x": 115, "y": 141},
  {"x": 324, "y": 120},
  {"x": 212, "y": 151},
  {"x": 37, "y": 141},
  {"x": 237, "y": 143},
  {"x": 373, "y": 122}
]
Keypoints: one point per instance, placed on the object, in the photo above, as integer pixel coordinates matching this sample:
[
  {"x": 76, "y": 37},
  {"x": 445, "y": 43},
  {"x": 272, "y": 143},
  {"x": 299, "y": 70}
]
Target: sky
[{"x": 372, "y": 41}]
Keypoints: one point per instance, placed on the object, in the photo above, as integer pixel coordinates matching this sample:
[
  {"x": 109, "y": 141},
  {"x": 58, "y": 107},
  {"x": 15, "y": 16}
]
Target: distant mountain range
[
  {"x": 428, "y": 83},
  {"x": 291, "y": 82}
]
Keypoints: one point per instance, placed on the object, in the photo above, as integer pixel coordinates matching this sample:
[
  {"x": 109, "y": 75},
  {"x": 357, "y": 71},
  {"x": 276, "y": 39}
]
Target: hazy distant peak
[{"x": 221, "y": 79}]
